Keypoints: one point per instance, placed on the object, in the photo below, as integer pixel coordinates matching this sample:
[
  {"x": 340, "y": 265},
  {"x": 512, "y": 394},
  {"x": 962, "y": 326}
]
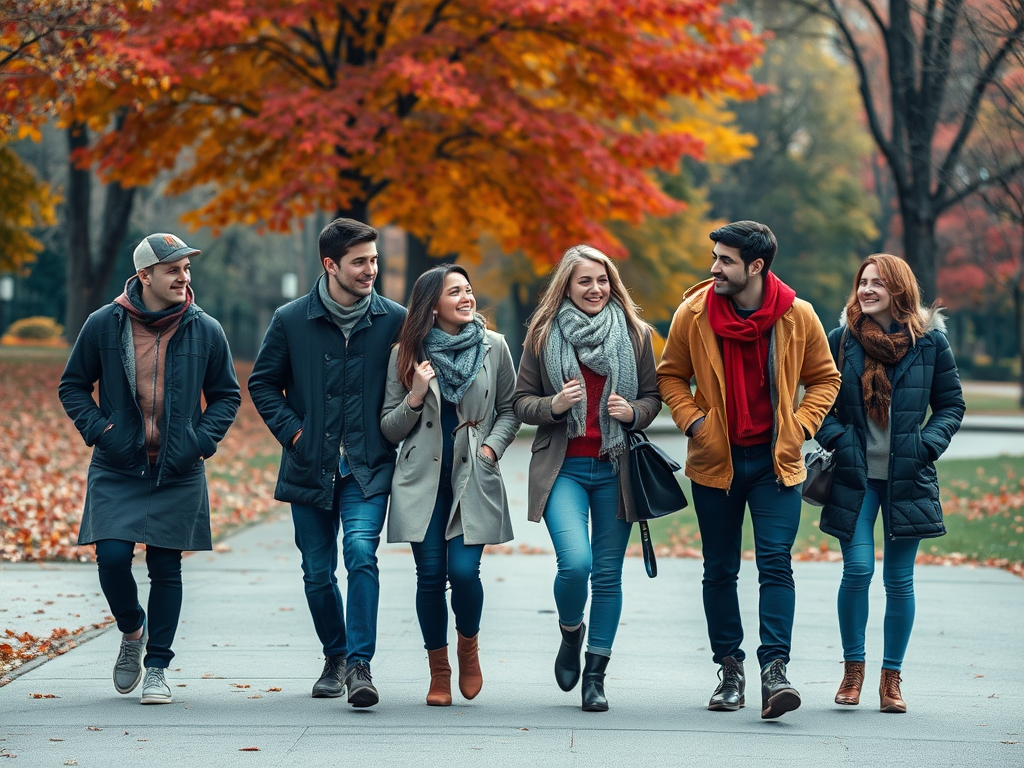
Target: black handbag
[
  {"x": 820, "y": 464},
  {"x": 656, "y": 491}
]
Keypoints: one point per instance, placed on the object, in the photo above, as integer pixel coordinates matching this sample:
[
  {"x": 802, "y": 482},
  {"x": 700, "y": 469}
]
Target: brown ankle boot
[
  {"x": 440, "y": 693},
  {"x": 471, "y": 679},
  {"x": 853, "y": 681},
  {"x": 889, "y": 692}
]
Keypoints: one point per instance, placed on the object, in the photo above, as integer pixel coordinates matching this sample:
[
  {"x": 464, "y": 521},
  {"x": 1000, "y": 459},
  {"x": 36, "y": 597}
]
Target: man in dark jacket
[
  {"x": 318, "y": 382},
  {"x": 155, "y": 355}
]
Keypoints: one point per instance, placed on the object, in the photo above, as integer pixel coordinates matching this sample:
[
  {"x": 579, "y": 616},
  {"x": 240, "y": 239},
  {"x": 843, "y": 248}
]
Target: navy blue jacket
[
  {"x": 925, "y": 377},
  {"x": 198, "y": 364},
  {"x": 307, "y": 377}
]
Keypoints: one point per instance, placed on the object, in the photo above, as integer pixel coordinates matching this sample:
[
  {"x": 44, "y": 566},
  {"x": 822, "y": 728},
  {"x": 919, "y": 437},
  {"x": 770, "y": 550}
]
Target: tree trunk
[
  {"x": 87, "y": 280},
  {"x": 78, "y": 267},
  {"x": 417, "y": 261},
  {"x": 920, "y": 250}
]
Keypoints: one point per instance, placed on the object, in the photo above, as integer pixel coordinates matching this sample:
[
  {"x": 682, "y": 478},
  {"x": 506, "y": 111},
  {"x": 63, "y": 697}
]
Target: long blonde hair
[
  {"x": 899, "y": 280},
  {"x": 543, "y": 317}
]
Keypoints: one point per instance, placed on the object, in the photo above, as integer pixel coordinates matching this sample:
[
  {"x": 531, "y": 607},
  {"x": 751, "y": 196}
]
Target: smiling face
[
  {"x": 164, "y": 285},
  {"x": 875, "y": 299},
  {"x": 729, "y": 271},
  {"x": 589, "y": 288},
  {"x": 457, "y": 305},
  {"x": 352, "y": 277}
]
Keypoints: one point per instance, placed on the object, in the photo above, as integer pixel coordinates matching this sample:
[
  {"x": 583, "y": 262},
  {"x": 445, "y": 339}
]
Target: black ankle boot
[
  {"x": 593, "y": 683},
  {"x": 567, "y": 662},
  {"x": 729, "y": 695}
]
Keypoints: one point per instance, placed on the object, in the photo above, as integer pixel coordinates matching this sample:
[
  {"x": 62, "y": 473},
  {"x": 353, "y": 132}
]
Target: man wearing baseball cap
[{"x": 155, "y": 355}]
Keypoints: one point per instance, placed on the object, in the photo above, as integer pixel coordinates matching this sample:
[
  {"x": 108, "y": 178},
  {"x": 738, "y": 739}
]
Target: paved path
[{"x": 245, "y": 630}]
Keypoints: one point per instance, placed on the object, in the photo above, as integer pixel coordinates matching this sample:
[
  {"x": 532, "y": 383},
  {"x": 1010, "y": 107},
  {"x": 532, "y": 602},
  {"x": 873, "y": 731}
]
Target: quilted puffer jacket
[{"x": 925, "y": 377}]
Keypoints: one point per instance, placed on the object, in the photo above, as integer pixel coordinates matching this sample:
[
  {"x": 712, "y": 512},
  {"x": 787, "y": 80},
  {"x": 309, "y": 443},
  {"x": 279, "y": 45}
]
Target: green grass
[
  {"x": 987, "y": 402},
  {"x": 982, "y": 499}
]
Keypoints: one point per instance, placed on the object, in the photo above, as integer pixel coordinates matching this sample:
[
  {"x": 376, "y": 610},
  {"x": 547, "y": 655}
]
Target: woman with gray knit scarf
[
  {"x": 587, "y": 377},
  {"x": 449, "y": 402}
]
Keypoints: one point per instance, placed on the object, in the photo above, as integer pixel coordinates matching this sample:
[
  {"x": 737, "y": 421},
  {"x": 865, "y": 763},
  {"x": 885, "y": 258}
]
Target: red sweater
[{"x": 588, "y": 445}]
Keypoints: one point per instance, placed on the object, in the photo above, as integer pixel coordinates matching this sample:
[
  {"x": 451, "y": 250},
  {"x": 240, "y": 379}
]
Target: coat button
[
  {"x": 327, "y": 358},
  {"x": 429, "y": 424},
  {"x": 328, "y": 395}
]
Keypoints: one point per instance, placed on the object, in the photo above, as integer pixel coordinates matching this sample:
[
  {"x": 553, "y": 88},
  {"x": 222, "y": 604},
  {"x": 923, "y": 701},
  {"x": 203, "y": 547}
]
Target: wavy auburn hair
[
  {"x": 426, "y": 292},
  {"x": 900, "y": 282},
  {"x": 558, "y": 289}
]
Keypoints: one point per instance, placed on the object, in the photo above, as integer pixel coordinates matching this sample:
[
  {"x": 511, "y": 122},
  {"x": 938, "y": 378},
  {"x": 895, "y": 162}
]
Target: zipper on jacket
[
  {"x": 156, "y": 368},
  {"x": 773, "y": 393}
]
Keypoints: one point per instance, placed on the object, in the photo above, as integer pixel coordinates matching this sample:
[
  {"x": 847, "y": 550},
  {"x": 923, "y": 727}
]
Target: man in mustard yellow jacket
[{"x": 749, "y": 343}]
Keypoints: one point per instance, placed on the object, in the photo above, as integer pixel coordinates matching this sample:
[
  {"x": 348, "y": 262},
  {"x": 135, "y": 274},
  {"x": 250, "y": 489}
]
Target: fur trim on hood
[{"x": 933, "y": 317}]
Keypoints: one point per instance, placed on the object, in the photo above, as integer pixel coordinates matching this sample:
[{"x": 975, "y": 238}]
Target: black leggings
[{"x": 114, "y": 558}]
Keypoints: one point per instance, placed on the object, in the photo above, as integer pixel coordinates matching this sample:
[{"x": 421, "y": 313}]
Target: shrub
[{"x": 34, "y": 330}]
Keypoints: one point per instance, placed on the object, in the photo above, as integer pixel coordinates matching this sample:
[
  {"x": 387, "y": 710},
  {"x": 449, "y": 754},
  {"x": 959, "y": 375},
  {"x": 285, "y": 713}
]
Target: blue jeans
[
  {"x": 114, "y": 559},
  {"x": 361, "y": 521},
  {"x": 438, "y": 562},
  {"x": 897, "y": 576},
  {"x": 587, "y": 490},
  {"x": 775, "y": 514}
]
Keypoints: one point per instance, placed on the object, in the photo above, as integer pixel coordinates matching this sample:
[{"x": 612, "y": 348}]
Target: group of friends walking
[{"x": 402, "y": 415}]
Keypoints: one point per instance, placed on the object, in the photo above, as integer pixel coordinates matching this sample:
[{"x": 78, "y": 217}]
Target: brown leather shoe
[
  {"x": 440, "y": 693},
  {"x": 853, "y": 681},
  {"x": 889, "y": 692},
  {"x": 471, "y": 679}
]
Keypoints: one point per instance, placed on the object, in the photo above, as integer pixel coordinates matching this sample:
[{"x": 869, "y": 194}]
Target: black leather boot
[
  {"x": 729, "y": 695},
  {"x": 778, "y": 696},
  {"x": 567, "y": 662},
  {"x": 593, "y": 683}
]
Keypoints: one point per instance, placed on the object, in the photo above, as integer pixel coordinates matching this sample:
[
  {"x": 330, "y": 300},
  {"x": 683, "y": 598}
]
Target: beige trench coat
[
  {"x": 532, "y": 403},
  {"x": 480, "y": 507}
]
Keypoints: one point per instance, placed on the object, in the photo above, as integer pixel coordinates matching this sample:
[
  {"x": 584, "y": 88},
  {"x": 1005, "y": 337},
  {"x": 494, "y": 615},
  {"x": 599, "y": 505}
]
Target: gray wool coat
[
  {"x": 480, "y": 507},
  {"x": 532, "y": 404}
]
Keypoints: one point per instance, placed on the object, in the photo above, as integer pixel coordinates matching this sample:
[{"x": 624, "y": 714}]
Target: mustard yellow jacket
[{"x": 798, "y": 353}]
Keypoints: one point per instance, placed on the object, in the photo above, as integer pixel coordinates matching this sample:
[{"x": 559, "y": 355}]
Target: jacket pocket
[
  {"x": 115, "y": 447},
  {"x": 707, "y": 451},
  {"x": 542, "y": 439},
  {"x": 489, "y": 464},
  {"x": 181, "y": 447},
  {"x": 300, "y": 463}
]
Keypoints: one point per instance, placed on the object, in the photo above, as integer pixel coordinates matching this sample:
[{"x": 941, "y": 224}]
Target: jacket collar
[{"x": 315, "y": 307}]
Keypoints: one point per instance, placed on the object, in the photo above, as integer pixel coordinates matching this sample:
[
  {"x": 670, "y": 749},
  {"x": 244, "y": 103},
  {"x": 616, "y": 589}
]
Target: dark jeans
[
  {"x": 114, "y": 558},
  {"x": 439, "y": 562},
  {"x": 316, "y": 535},
  {"x": 775, "y": 515}
]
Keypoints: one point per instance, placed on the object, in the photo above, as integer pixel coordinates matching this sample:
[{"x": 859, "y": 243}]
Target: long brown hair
[
  {"x": 558, "y": 289},
  {"x": 900, "y": 282},
  {"x": 426, "y": 292}
]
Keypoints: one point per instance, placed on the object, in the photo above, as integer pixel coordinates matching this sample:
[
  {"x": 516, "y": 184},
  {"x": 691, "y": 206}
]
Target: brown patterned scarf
[{"x": 881, "y": 350}]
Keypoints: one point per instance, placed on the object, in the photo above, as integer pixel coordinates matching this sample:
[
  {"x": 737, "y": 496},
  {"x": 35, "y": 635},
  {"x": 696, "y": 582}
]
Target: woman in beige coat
[
  {"x": 449, "y": 398},
  {"x": 587, "y": 377}
]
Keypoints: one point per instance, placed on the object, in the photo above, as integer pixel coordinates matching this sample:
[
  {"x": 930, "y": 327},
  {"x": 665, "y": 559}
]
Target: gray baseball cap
[{"x": 161, "y": 248}]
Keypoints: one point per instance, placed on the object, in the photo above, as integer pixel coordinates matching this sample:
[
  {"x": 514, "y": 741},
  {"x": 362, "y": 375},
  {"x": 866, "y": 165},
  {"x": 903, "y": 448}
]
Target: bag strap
[
  {"x": 839, "y": 366},
  {"x": 650, "y": 562}
]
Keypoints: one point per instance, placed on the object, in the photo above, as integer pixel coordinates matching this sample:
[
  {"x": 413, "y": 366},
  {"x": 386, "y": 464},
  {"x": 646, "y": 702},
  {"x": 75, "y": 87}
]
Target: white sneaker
[{"x": 155, "y": 689}]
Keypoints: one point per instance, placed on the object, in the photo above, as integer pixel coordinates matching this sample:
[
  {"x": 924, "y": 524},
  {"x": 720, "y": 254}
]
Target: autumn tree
[
  {"x": 925, "y": 70},
  {"x": 536, "y": 123},
  {"x": 53, "y": 55}
]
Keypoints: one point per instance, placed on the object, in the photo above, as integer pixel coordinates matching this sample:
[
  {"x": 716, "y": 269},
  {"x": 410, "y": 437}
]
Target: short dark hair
[
  {"x": 754, "y": 240},
  {"x": 340, "y": 235}
]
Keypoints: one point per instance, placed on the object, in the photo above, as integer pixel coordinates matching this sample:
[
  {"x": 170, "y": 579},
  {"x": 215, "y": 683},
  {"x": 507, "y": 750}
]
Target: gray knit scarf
[
  {"x": 601, "y": 342},
  {"x": 344, "y": 317},
  {"x": 456, "y": 359}
]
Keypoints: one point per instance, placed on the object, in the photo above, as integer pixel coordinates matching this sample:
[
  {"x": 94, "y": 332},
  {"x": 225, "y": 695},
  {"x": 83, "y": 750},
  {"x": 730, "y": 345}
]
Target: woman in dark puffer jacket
[{"x": 896, "y": 363}]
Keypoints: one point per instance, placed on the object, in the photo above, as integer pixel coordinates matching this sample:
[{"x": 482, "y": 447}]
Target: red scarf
[{"x": 744, "y": 351}]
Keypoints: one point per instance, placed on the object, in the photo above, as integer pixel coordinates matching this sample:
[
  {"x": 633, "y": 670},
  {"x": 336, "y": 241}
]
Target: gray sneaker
[
  {"x": 128, "y": 667},
  {"x": 155, "y": 689}
]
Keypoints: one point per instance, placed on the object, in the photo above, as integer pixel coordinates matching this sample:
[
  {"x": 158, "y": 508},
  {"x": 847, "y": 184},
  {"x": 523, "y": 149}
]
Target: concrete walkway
[{"x": 245, "y": 630}]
